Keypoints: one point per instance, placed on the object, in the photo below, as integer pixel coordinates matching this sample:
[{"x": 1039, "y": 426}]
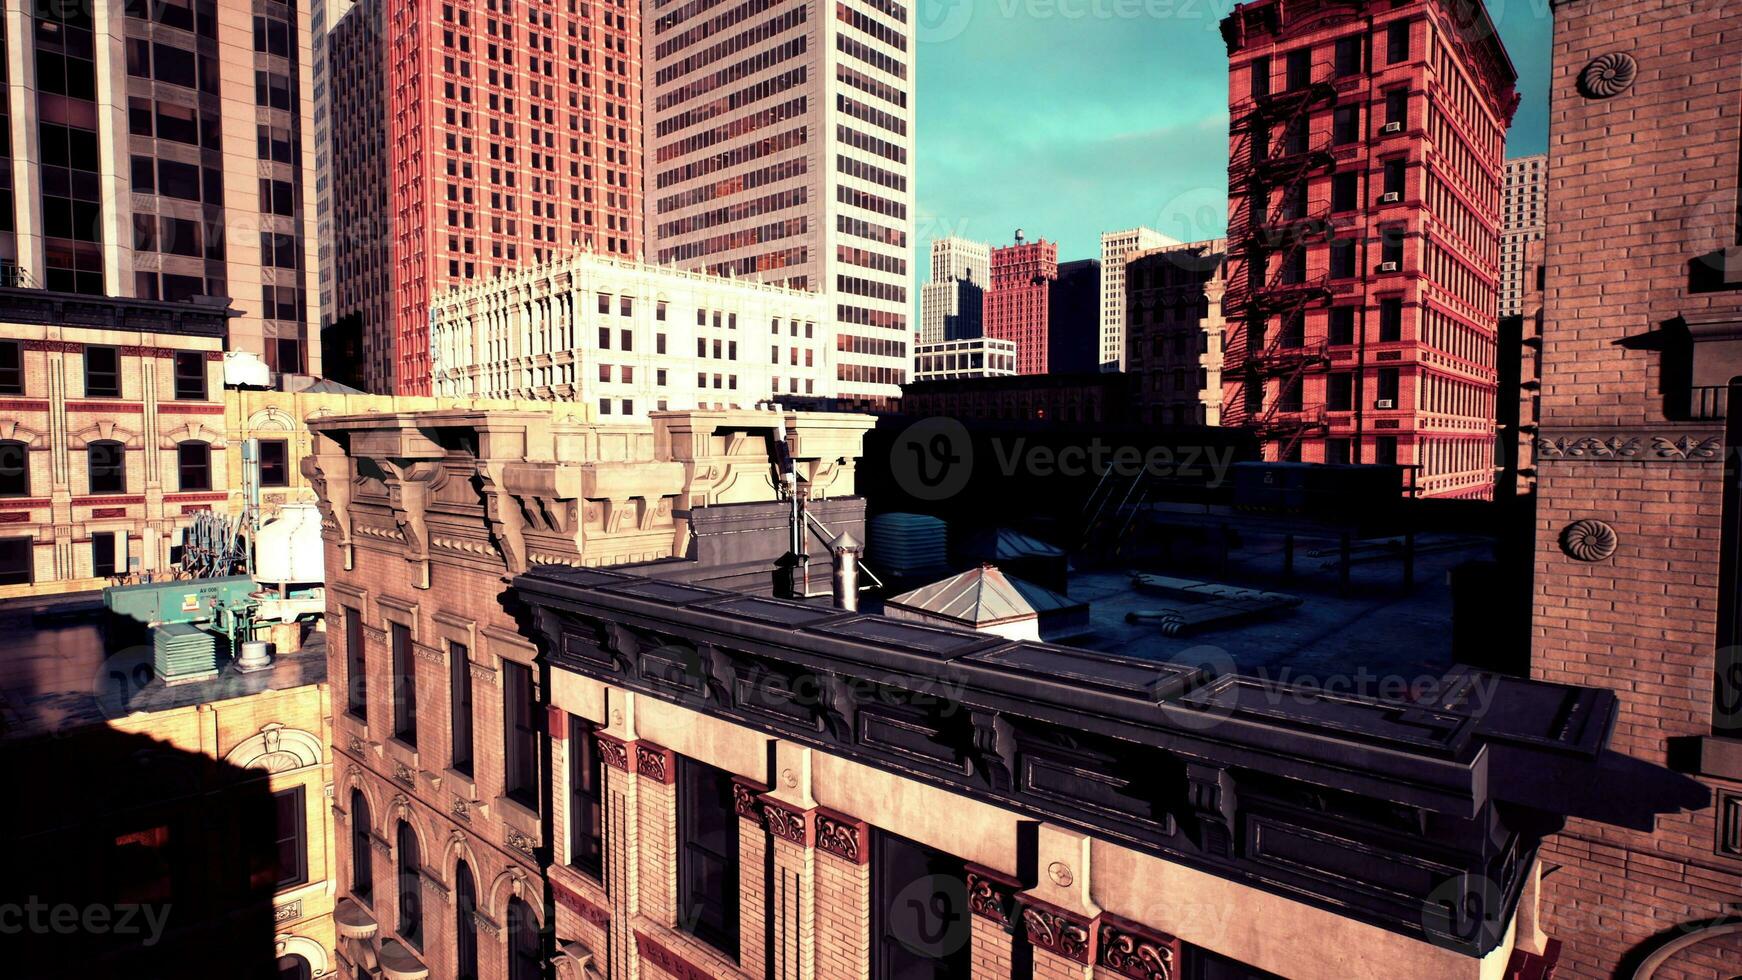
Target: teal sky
[{"x": 1067, "y": 118}]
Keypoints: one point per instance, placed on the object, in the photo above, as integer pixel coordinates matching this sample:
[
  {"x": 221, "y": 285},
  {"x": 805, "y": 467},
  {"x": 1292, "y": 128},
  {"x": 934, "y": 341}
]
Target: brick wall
[{"x": 1641, "y": 620}]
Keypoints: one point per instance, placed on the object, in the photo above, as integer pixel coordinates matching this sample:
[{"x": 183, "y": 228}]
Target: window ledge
[{"x": 518, "y": 815}]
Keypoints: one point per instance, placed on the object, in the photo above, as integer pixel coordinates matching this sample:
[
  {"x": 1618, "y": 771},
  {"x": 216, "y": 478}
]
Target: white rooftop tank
[{"x": 288, "y": 548}]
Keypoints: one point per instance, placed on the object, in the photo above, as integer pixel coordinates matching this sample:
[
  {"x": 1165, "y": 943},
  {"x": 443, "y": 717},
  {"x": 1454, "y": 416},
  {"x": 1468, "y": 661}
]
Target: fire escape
[{"x": 1271, "y": 226}]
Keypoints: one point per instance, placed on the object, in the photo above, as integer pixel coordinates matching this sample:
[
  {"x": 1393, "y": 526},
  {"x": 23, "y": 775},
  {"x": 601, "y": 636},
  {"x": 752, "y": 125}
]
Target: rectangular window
[
  {"x": 1391, "y": 245},
  {"x": 274, "y": 463},
  {"x": 15, "y": 561},
  {"x": 1260, "y": 77},
  {"x": 1397, "y": 106},
  {"x": 404, "y": 685},
  {"x": 1345, "y": 192},
  {"x": 356, "y": 672},
  {"x": 1336, "y": 451},
  {"x": 194, "y": 465},
  {"x": 11, "y": 368},
  {"x": 1394, "y": 175},
  {"x": 1343, "y": 259},
  {"x": 520, "y": 734},
  {"x": 291, "y": 819},
  {"x": 919, "y": 912},
  {"x": 1348, "y": 56},
  {"x": 1387, "y": 386},
  {"x": 102, "y": 554},
  {"x": 1390, "y": 319},
  {"x": 1397, "y": 41},
  {"x": 1342, "y": 325},
  {"x": 1294, "y": 267},
  {"x": 14, "y": 469},
  {"x": 190, "y": 376},
  {"x": 1340, "y": 392},
  {"x": 707, "y": 865},
  {"x": 1385, "y": 450},
  {"x": 1345, "y": 125},
  {"x": 460, "y": 706},
  {"x": 586, "y": 799},
  {"x": 102, "y": 372},
  {"x": 1300, "y": 68}
]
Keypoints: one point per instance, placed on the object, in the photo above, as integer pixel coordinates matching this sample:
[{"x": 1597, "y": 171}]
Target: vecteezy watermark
[
  {"x": 37, "y": 917},
  {"x": 934, "y": 458}
]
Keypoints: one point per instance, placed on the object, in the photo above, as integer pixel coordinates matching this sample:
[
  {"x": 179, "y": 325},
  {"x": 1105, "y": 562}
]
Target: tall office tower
[
  {"x": 322, "y": 15},
  {"x": 1363, "y": 235},
  {"x": 361, "y": 267},
  {"x": 779, "y": 139},
  {"x": 1521, "y": 220},
  {"x": 160, "y": 152},
  {"x": 513, "y": 136},
  {"x": 1020, "y": 299},
  {"x": 1115, "y": 245},
  {"x": 1073, "y": 318},
  {"x": 1174, "y": 330},
  {"x": 952, "y": 304}
]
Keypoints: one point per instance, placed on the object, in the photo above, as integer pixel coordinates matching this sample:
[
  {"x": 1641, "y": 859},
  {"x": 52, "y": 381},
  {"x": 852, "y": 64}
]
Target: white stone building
[
  {"x": 1115, "y": 245},
  {"x": 975, "y": 357},
  {"x": 628, "y": 338},
  {"x": 1523, "y": 197},
  {"x": 952, "y": 304}
]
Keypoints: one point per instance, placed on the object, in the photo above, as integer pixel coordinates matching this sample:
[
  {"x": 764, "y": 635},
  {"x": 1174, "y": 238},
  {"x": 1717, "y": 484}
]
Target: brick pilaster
[
  {"x": 843, "y": 895},
  {"x": 657, "y": 807},
  {"x": 792, "y": 902},
  {"x": 752, "y": 859},
  {"x": 622, "y": 853}
]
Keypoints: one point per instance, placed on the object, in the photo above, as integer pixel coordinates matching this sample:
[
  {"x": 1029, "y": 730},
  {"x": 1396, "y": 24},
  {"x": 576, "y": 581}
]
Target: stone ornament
[
  {"x": 1058, "y": 932},
  {"x": 1134, "y": 952},
  {"x": 841, "y": 836},
  {"x": 1060, "y": 873},
  {"x": 992, "y": 896},
  {"x": 1608, "y": 75},
  {"x": 1588, "y": 540}
]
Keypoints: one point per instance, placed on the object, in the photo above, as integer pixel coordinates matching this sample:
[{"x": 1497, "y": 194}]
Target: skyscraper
[
  {"x": 952, "y": 304},
  {"x": 1521, "y": 220},
  {"x": 1364, "y": 204},
  {"x": 207, "y": 189},
  {"x": 1115, "y": 245},
  {"x": 512, "y": 136},
  {"x": 779, "y": 143},
  {"x": 361, "y": 264},
  {"x": 1018, "y": 306},
  {"x": 1073, "y": 328}
]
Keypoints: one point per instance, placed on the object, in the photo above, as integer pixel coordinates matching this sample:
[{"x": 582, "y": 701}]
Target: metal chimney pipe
[{"x": 846, "y": 578}]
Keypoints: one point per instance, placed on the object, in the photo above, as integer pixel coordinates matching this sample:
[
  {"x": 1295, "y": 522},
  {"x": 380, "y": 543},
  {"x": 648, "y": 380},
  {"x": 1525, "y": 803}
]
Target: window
[
  {"x": 356, "y": 674},
  {"x": 1390, "y": 319},
  {"x": 1348, "y": 56},
  {"x": 274, "y": 463},
  {"x": 1337, "y": 451},
  {"x": 1394, "y": 175},
  {"x": 1385, "y": 450},
  {"x": 1345, "y": 125},
  {"x": 465, "y": 926},
  {"x": 11, "y": 368},
  {"x": 525, "y": 951},
  {"x": 1340, "y": 392},
  {"x": 1300, "y": 68},
  {"x": 1343, "y": 259},
  {"x": 102, "y": 554},
  {"x": 1260, "y": 77},
  {"x": 15, "y": 561},
  {"x": 1345, "y": 192},
  {"x": 290, "y": 816},
  {"x": 919, "y": 912},
  {"x": 362, "y": 858},
  {"x": 14, "y": 469},
  {"x": 106, "y": 461},
  {"x": 520, "y": 734},
  {"x": 460, "y": 706},
  {"x": 1342, "y": 325},
  {"x": 586, "y": 799},
  {"x": 190, "y": 376},
  {"x": 410, "y": 887},
  {"x": 193, "y": 461},
  {"x": 707, "y": 865},
  {"x": 1397, "y": 106},
  {"x": 1391, "y": 245},
  {"x": 1294, "y": 267},
  {"x": 404, "y": 685},
  {"x": 1396, "y": 41},
  {"x": 102, "y": 372},
  {"x": 1387, "y": 385}
]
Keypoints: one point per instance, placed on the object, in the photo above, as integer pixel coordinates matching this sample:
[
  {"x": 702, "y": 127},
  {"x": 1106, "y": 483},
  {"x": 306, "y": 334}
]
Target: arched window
[
  {"x": 293, "y": 967},
  {"x": 362, "y": 861},
  {"x": 14, "y": 469},
  {"x": 193, "y": 461},
  {"x": 524, "y": 953},
  {"x": 107, "y": 465},
  {"x": 410, "y": 889},
  {"x": 465, "y": 927}
]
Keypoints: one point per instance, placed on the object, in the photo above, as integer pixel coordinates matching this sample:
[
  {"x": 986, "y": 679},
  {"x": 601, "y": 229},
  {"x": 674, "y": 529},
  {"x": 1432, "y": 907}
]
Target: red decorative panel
[
  {"x": 192, "y": 498},
  {"x": 744, "y": 794},
  {"x": 1131, "y": 950},
  {"x": 579, "y": 905},
  {"x": 558, "y": 721},
  {"x": 786, "y": 821},
  {"x": 113, "y": 407},
  {"x": 613, "y": 750},
  {"x": 843, "y": 836},
  {"x": 15, "y": 517},
  {"x": 25, "y": 503},
  {"x": 178, "y": 408},
  {"x": 1057, "y": 931},
  {"x": 105, "y": 501},
  {"x": 666, "y": 960},
  {"x": 109, "y": 512},
  {"x": 992, "y": 895},
  {"x": 23, "y": 405},
  {"x": 656, "y": 763}
]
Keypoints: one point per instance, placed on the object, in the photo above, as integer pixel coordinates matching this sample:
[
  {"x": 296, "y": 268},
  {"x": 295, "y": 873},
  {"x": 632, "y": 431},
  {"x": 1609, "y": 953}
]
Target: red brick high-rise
[
  {"x": 1365, "y": 158},
  {"x": 514, "y": 134},
  {"x": 1017, "y": 304}
]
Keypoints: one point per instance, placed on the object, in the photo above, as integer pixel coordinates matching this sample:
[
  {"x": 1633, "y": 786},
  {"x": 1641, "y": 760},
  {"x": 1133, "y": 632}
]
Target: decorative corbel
[
  {"x": 994, "y": 749},
  {"x": 332, "y": 476},
  {"x": 507, "y": 520},
  {"x": 409, "y": 495},
  {"x": 1210, "y": 793}
]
